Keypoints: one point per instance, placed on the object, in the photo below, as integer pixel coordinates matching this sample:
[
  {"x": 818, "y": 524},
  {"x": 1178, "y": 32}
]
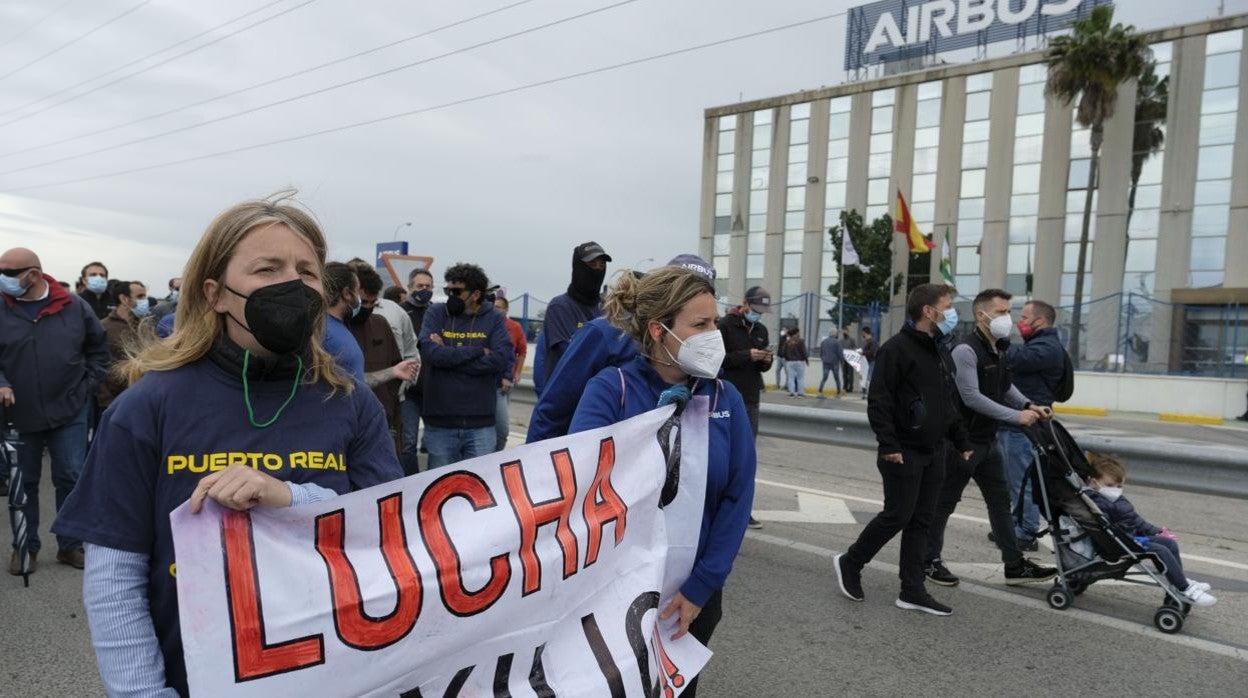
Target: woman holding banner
[
  {"x": 241, "y": 405},
  {"x": 671, "y": 313}
]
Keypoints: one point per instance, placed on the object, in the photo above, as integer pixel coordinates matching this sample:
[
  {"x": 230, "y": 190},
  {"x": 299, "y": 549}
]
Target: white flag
[{"x": 849, "y": 256}]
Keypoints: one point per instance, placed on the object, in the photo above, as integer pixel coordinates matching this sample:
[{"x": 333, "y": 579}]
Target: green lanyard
[{"x": 251, "y": 413}]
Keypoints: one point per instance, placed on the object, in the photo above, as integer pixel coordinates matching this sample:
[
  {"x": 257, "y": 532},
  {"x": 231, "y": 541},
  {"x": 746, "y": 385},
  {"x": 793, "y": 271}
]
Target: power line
[
  {"x": 72, "y": 41},
  {"x": 323, "y": 90},
  {"x": 158, "y": 64},
  {"x": 37, "y": 22},
  {"x": 266, "y": 83},
  {"x": 140, "y": 59},
  {"x": 437, "y": 107}
]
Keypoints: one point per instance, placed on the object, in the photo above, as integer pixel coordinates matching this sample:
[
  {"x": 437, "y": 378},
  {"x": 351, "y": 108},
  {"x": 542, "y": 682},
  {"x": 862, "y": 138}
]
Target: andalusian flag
[
  {"x": 946, "y": 260},
  {"x": 906, "y": 226}
]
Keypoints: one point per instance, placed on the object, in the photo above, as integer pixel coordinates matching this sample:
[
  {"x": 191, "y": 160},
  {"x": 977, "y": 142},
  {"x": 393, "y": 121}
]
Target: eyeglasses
[
  {"x": 16, "y": 272},
  {"x": 454, "y": 291}
]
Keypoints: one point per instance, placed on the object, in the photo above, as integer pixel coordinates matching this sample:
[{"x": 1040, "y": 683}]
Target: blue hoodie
[
  {"x": 596, "y": 346},
  {"x": 731, "y": 460},
  {"x": 461, "y": 378}
]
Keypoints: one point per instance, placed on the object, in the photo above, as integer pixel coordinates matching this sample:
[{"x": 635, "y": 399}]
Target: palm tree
[
  {"x": 1089, "y": 65},
  {"x": 1152, "y": 97}
]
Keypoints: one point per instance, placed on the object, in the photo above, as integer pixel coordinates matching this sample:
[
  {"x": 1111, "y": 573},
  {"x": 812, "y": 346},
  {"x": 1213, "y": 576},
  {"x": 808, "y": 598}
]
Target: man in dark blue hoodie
[
  {"x": 569, "y": 312},
  {"x": 465, "y": 349}
]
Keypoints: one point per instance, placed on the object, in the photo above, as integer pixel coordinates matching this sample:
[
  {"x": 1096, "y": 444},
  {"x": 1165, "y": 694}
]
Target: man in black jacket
[
  {"x": 988, "y": 398},
  {"x": 747, "y": 357},
  {"x": 912, "y": 412},
  {"x": 419, "y": 294}
]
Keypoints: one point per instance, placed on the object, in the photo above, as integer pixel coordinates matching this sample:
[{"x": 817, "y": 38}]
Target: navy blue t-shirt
[
  {"x": 564, "y": 316},
  {"x": 172, "y": 428}
]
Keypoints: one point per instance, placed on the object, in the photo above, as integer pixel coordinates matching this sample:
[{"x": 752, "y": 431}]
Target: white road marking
[
  {"x": 812, "y": 508},
  {"x": 976, "y": 588},
  {"x": 1046, "y": 542}
]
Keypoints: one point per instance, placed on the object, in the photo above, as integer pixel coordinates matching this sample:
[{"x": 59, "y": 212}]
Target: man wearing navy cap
[
  {"x": 748, "y": 356},
  {"x": 568, "y": 312}
]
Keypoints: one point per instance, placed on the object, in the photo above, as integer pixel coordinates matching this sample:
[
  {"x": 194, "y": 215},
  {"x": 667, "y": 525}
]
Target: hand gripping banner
[{"x": 537, "y": 571}]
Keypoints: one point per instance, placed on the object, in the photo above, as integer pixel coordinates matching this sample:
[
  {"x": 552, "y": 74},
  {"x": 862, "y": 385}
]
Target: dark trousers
[
  {"x": 987, "y": 468},
  {"x": 910, "y": 492},
  {"x": 702, "y": 627},
  {"x": 1168, "y": 552},
  {"x": 751, "y": 409},
  {"x": 847, "y": 376}
]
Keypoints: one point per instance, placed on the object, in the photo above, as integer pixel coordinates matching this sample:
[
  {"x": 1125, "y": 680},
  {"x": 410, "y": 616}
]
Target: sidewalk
[{"x": 1142, "y": 425}]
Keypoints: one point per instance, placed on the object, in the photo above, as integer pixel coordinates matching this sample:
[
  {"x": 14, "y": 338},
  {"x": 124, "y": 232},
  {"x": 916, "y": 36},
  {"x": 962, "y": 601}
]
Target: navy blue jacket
[
  {"x": 731, "y": 460},
  {"x": 564, "y": 317},
  {"x": 598, "y": 345},
  {"x": 53, "y": 362},
  {"x": 461, "y": 378},
  {"x": 1036, "y": 366},
  {"x": 1122, "y": 513}
]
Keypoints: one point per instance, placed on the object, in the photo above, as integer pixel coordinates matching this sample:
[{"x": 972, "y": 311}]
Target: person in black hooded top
[{"x": 569, "y": 311}]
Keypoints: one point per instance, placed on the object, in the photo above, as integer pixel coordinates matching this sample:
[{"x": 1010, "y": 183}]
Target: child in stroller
[
  {"x": 1088, "y": 546},
  {"x": 1111, "y": 475}
]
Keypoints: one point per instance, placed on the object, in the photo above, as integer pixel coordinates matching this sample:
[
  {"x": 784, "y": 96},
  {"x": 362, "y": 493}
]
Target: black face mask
[
  {"x": 361, "y": 317},
  {"x": 421, "y": 298},
  {"x": 586, "y": 283},
  {"x": 281, "y": 316},
  {"x": 455, "y": 306}
]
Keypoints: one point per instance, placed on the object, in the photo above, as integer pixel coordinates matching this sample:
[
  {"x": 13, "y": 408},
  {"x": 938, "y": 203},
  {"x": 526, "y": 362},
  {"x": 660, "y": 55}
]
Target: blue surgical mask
[
  {"x": 141, "y": 309},
  {"x": 753, "y": 316},
  {"x": 12, "y": 287},
  {"x": 173, "y": 295},
  {"x": 948, "y": 324},
  {"x": 355, "y": 309},
  {"x": 97, "y": 283}
]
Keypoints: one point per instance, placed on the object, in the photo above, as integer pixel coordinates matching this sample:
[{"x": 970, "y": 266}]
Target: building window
[
  {"x": 722, "y": 235},
  {"x": 1215, "y": 156},
  {"x": 760, "y": 183},
  {"x": 970, "y": 230},
  {"x": 880, "y": 155},
  {"x": 836, "y": 179},
  {"x": 1144, "y": 195}
]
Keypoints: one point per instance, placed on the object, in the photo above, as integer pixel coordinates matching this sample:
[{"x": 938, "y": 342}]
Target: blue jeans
[
  {"x": 502, "y": 424},
  {"x": 451, "y": 445},
  {"x": 797, "y": 377},
  {"x": 67, "y": 444},
  {"x": 780, "y": 363},
  {"x": 1168, "y": 552},
  {"x": 1016, "y": 448},
  {"x": 409, "y": 415},
  {"x": 834, "y": 370}
]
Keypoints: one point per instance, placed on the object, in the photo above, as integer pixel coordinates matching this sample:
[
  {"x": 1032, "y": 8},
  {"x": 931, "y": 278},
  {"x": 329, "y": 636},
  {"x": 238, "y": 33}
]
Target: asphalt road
[{"x": 787, "y": 632}]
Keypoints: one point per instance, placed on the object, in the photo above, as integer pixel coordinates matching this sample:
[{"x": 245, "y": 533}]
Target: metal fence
[{"x": 1126, "y": 332}]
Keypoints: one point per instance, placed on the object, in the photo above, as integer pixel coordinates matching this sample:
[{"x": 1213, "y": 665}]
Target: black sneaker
[
  {"x": 1029, "y": 546},
  {"x": 924, "y": 603},
  {"x": 754, "y": 523},
  {"x": 848, "y": 578},
  {"x": 1028, "y": 572},
  {"x": 937, "y": 573}
]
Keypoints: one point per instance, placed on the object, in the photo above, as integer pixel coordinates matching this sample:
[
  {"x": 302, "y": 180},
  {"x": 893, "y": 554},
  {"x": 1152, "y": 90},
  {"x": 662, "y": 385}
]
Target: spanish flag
[{"x": 906, "y": 226}]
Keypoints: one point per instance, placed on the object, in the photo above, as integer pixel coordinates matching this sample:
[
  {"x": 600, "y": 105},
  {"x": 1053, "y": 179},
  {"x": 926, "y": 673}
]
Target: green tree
[
  {"x": 1088, "y": 66},
  {"x": 1152, "y": 98},
  {"x": 874, "y": 247}
]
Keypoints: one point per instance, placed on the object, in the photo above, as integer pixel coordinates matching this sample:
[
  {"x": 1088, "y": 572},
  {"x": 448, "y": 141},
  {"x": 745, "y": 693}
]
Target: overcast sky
[{"x": 511, "y": 183}]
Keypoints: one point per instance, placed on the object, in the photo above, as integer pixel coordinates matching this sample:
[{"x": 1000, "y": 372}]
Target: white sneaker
[
  {"x": 1199, "y": 597},
  {"x": 1193, "y": 584}
]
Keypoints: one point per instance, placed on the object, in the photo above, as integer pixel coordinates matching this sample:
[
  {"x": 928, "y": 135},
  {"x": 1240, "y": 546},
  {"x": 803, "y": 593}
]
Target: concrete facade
[{"x": 1059, "y": 196}]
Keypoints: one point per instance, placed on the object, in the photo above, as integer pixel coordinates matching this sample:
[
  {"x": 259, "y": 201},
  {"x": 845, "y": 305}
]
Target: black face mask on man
[
  {"x": 586, "y": 286},
  {"x": 455, "y": 305},
  {"x": 281, "y": 316}
]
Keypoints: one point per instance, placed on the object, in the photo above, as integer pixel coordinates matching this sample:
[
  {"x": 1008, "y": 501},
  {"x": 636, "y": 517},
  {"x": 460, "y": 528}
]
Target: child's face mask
[{"x": 1109, "y": 492}]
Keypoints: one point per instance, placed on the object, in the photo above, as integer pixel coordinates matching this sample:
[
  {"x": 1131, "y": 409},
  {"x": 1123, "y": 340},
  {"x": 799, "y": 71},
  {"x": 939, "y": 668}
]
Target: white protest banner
[
  {"x": 537, "y": 571},
  {"x": 854, "y": 358}
]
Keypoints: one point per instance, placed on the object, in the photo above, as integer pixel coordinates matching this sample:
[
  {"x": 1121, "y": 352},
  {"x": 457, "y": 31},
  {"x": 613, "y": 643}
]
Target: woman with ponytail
[{"x": 671, "y": 314}]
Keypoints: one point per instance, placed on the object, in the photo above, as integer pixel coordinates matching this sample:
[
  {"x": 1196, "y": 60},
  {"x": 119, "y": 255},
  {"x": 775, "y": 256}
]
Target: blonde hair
[
  {"x": 197, "y": 326},
  {"x": 1108, "y": 466},
  {"x": 659, "y": 296}
]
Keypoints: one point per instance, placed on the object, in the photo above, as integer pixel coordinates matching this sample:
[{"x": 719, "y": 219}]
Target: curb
[
  {"x": 1081, "y": 411},
  {"x": 1190, "y": 418}
]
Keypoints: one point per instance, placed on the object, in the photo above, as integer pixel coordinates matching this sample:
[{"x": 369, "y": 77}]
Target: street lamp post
[{"x": 399, "y": 227}]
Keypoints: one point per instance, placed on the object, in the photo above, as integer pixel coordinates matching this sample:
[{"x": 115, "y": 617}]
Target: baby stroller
[{"x": 1088, "y": 547}]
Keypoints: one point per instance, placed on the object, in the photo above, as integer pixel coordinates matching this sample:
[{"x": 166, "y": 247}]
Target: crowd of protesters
[{"x": 266, "y": 345}]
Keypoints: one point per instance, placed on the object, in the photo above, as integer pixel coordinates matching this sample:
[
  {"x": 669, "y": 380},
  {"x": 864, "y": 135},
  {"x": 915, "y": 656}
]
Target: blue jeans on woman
[
  {"x": 67, "y": 444},
  {"x": 797, "y": 377}
]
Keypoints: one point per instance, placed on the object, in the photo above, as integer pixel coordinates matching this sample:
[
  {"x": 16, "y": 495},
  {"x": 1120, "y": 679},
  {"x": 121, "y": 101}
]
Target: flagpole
[{"x": 840, "y": 302}]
